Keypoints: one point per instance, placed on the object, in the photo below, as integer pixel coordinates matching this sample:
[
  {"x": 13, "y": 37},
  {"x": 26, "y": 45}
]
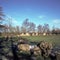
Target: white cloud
[
  {"x": 56, "y": 21},
  {"x": 12, "y": 20},
  {"x": 41, "y": 16},
  {"x": 15, "y": 21}
]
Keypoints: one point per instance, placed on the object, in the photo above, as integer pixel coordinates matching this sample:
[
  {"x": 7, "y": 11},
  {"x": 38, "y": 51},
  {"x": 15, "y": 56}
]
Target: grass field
[
  {"x": 6, "y": 45},
  {"x": 54, "y": 39}
]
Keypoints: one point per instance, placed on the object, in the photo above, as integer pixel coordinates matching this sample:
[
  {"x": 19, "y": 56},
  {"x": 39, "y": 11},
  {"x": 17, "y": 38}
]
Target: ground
[
  {"x": 6, "y": 50},
  {"x": 54, "y": 39}
]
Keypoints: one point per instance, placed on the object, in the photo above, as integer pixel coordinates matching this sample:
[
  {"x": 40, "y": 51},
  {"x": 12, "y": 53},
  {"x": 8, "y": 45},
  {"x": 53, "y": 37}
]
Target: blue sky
[{"x": 37, "y": 11}]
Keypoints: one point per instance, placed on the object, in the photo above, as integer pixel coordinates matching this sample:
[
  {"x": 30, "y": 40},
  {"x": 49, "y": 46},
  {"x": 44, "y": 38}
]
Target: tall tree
[
  {"x": 32, "y": 27},
  {"x": 46, "y": 28},
  {"x": 10, "y": 25},
  {"x": 25, "y": 25},
  {"x": 39, "y": 28},
  {"x": 23, "y": 29},
  {"x": 17, "y": 29},
  {"x": 1, "y": 15},
  {"x": 1, "y": 19},
  {"x": 53, "y": 30}
]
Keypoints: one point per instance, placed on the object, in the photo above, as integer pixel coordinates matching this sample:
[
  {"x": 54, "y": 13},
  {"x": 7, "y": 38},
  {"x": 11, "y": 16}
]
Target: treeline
[
  {"x": 30, "y": 27},
  {"x": 26, "y": 26}
]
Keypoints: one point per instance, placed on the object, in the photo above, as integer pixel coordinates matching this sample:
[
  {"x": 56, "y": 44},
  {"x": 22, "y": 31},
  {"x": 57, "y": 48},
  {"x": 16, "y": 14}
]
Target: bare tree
[
  {"x": 39, "y": 28},
  {"x": 32, "y": 27},
  {"x": 46, "y": 28},
  {"x": 23, "y": 29},
  {"x": 6, "y": 29},
  {"x": 25, "y": 26},
  {"x": 10, "y": 25},
  {"x": 1, "y": 15},
  {"x": 17, "y": 29},
  {"x": 1, "y": 20},
  {"x": 58, "y": 30},
  {"x": 55, "y": 30}
]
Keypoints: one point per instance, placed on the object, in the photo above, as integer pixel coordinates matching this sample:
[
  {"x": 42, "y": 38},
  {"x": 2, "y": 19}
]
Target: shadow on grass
[{"x": 26, "y": 57}]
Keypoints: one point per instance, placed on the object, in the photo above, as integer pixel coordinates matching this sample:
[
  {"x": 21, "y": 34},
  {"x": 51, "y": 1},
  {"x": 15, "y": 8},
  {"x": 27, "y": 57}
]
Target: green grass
[{"x": 55, "y": 39}]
